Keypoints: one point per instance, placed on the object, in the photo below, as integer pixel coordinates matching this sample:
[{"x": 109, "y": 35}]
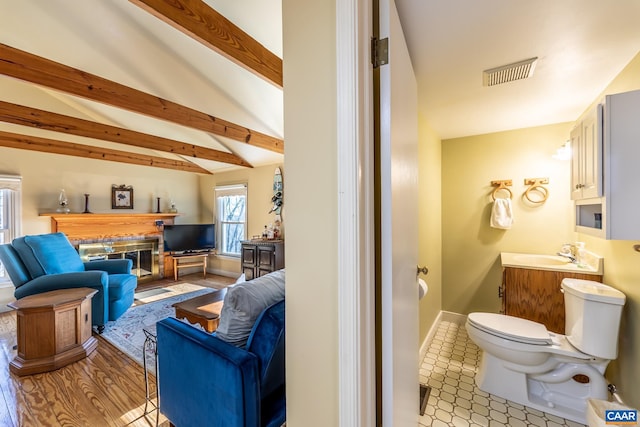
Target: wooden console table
[
  {"x": 191, "y": 260},
  {"x": 54, "y": 330}
]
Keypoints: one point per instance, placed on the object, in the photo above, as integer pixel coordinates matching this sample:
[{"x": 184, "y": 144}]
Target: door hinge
[{"x": 379, "y": 52}]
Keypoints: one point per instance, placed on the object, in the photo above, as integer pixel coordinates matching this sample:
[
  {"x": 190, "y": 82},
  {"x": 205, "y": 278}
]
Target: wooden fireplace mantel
[{"x": 107, "y": 225}]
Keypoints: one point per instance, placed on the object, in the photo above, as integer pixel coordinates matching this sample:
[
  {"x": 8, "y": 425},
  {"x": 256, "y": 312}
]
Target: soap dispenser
[{"x": 580, "y": 254}]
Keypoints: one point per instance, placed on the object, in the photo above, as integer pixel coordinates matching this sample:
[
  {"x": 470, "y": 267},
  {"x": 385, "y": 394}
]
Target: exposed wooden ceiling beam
[
  {"x": 35, "y": 69},
  {"x": 204, "y": 24},
  {"x": 41, "y": 119},
  {"x": 34, "y": 143}
]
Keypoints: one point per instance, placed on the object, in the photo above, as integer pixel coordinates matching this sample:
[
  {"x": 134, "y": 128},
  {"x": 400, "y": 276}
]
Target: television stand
[{"x": 191, "y": 259}]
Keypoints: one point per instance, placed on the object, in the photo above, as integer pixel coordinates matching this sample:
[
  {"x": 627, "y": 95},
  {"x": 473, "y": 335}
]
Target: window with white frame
[
  {"x": 10, "y": 187},
  {"x": 231, "y": 211}
]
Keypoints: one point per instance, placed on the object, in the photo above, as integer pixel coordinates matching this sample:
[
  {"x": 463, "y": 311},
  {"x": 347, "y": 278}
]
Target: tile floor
[{"x": 449, "y": 367}]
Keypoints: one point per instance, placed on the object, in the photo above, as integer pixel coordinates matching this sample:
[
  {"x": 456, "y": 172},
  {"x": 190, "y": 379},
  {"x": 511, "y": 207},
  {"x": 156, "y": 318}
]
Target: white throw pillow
[{"x": 244, "y": 302}]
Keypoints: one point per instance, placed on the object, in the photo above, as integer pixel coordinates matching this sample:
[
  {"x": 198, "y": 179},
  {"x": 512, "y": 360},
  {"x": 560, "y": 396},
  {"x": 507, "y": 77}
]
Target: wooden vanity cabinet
[
  {"x": 261, "y": 257},
  {"x": 536, "y": 295}
]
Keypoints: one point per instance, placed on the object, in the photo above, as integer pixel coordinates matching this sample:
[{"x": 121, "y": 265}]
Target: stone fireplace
[{"x": 131, "y": 236}]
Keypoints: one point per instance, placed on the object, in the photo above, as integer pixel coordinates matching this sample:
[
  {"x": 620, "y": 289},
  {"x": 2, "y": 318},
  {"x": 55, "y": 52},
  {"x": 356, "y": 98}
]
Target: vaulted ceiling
[
  {"x": 182, "y": 84},
  {"x": 171, "y": 83}
]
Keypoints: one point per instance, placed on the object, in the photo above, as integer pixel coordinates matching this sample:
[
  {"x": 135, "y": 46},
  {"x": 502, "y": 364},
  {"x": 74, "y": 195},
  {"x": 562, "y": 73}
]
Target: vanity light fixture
[{"x": 563, "y": 152}]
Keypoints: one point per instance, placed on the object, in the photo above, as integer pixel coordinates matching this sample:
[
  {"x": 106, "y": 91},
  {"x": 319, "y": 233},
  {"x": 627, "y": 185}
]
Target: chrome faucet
[
  {"x": 569, "y": 251},
  {"x": 568, "y": 255}
]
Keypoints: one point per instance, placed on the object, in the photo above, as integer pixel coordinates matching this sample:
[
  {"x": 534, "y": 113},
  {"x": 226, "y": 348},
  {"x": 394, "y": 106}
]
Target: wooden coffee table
[{"x": 204, "y": 310}]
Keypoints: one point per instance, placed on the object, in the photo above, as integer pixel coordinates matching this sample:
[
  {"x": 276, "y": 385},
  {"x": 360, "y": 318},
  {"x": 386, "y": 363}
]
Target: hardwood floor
[{"x": 104, "y": 389}]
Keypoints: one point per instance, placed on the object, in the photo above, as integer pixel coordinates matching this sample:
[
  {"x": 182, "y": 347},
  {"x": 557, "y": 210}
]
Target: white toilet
[{"x": 524, "y": 363}]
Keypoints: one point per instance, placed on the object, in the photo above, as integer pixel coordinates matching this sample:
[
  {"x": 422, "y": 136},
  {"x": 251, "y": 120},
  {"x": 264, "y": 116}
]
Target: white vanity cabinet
[
  {"x": 613, "y": 214},
  {"x": 586, "y": 159}
]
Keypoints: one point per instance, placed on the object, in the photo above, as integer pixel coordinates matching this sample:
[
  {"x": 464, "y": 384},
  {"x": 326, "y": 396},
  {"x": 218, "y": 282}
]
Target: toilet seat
[{"x": 511, "y": 328}]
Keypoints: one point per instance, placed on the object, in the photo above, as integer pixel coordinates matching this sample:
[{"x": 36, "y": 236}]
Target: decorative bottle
[{"x": 63, "y": 202}]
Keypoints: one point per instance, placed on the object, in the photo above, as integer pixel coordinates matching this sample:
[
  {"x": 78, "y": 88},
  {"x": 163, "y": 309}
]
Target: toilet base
[{"x": 566, "y": 399}]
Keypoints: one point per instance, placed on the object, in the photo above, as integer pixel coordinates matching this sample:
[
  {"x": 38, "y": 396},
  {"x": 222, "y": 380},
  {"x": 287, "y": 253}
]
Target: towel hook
[
  {"x": 423, "y": 270},
  {"x": 501, "y": 185},
  {"x": 536, "y": 185}
]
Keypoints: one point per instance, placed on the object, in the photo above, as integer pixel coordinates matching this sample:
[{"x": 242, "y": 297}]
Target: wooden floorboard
[{"x": 104, "y": 389}]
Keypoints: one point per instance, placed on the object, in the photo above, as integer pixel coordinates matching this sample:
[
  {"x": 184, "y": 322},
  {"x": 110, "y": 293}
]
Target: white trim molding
[{"x": 355, "y": 216}]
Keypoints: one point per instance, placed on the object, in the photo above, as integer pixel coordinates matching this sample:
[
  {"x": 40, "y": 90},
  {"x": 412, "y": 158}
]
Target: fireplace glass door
[{"x": 143, "y": 254}]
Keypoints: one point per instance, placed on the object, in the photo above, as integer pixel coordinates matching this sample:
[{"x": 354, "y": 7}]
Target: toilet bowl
[{"x": 525, "y": 363}]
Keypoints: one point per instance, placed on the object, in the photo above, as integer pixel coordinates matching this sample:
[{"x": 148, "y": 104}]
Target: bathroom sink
[
  {"x": 534, "y": 259},
  {"x": 593, "y": 264}
]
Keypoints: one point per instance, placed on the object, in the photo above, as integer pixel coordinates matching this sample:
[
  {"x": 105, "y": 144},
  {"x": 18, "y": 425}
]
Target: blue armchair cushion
[
  {"x": 111, "y": 266},
  {"x": 121, "y": 293},
  {"x": 28, "y": 258},
  {"x": 244, "y": 302},
  {"x": 14, "y": 265},
  {"x": 55, "y": 253}
]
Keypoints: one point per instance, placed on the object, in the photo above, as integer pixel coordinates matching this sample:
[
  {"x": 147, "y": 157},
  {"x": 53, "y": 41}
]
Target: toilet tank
[{"x": 593, "y": 312}]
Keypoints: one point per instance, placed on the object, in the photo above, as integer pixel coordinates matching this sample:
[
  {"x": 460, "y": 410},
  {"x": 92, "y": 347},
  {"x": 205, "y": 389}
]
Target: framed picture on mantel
[{"x": 121, "y": 197}]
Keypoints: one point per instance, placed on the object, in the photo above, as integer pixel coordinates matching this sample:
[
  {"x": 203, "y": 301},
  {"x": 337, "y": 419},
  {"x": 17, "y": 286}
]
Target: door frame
[{"x": 356, "y": 238}]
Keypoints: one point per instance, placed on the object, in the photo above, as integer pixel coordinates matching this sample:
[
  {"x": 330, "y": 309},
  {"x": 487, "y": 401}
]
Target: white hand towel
[{"x": 501, "y": 214}]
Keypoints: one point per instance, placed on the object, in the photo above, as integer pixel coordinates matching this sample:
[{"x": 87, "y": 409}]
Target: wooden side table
[
  {"x": 191, "y": 260},
  {"x": 54, "y": 330}
]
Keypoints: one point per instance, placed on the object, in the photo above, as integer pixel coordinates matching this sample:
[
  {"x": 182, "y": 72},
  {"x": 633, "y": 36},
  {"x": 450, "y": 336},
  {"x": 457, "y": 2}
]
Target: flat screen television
[{"x": 185, "y": 238}]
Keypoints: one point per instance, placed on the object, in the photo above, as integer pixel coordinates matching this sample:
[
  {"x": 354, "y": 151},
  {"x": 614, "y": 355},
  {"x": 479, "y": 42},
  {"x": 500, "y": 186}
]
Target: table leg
[
  {"x": 150, "y": 344},
  {"x": 175, "y": 269}
]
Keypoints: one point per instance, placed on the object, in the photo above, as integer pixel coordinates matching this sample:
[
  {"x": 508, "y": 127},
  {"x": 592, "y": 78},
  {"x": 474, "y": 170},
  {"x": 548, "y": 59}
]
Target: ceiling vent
[{"x": 508, "y": 73}]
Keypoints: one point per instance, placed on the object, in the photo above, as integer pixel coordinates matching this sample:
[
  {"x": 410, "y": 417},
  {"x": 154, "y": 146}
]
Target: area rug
[
  {"x": 157, "y": 294},
  {"x": 127, "y": 333}
]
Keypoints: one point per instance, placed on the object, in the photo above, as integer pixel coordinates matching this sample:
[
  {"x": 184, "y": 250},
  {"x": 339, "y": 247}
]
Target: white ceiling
[{"x": 581, "y": 45}]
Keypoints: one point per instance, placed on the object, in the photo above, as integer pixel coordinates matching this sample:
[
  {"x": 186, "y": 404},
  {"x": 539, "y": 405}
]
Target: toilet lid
[{"x": 511, "y": 328}]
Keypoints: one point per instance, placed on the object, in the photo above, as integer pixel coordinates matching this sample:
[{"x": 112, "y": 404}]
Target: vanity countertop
[{"x": 593, "y": 264}]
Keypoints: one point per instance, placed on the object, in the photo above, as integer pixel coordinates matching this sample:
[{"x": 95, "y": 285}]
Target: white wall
[
  {"x": 259, "y": 182},
  {"x": 430, "y": 223},
  {"x": 43, "y": 175},
  {"x": 311, "y": 199},
  {"x": 471, "y": 248}
]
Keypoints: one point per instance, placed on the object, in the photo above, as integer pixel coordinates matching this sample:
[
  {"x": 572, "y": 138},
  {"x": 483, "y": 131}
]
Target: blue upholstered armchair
[
  {"x": 205, "y": 381},
  {"x": 47, "y": 262}
]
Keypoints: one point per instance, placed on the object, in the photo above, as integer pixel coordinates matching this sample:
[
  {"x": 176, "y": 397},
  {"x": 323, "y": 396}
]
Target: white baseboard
[
  {"x": 443, "y": 316},
  {"x": 232, "y": 274},
  {"x": 449, "y": 316},
  {"x": 429, "y": 337}
]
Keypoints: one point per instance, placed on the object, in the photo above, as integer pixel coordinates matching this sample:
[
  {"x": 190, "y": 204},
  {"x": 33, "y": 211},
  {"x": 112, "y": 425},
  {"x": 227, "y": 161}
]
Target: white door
[{"x": 399, "y": 227}]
